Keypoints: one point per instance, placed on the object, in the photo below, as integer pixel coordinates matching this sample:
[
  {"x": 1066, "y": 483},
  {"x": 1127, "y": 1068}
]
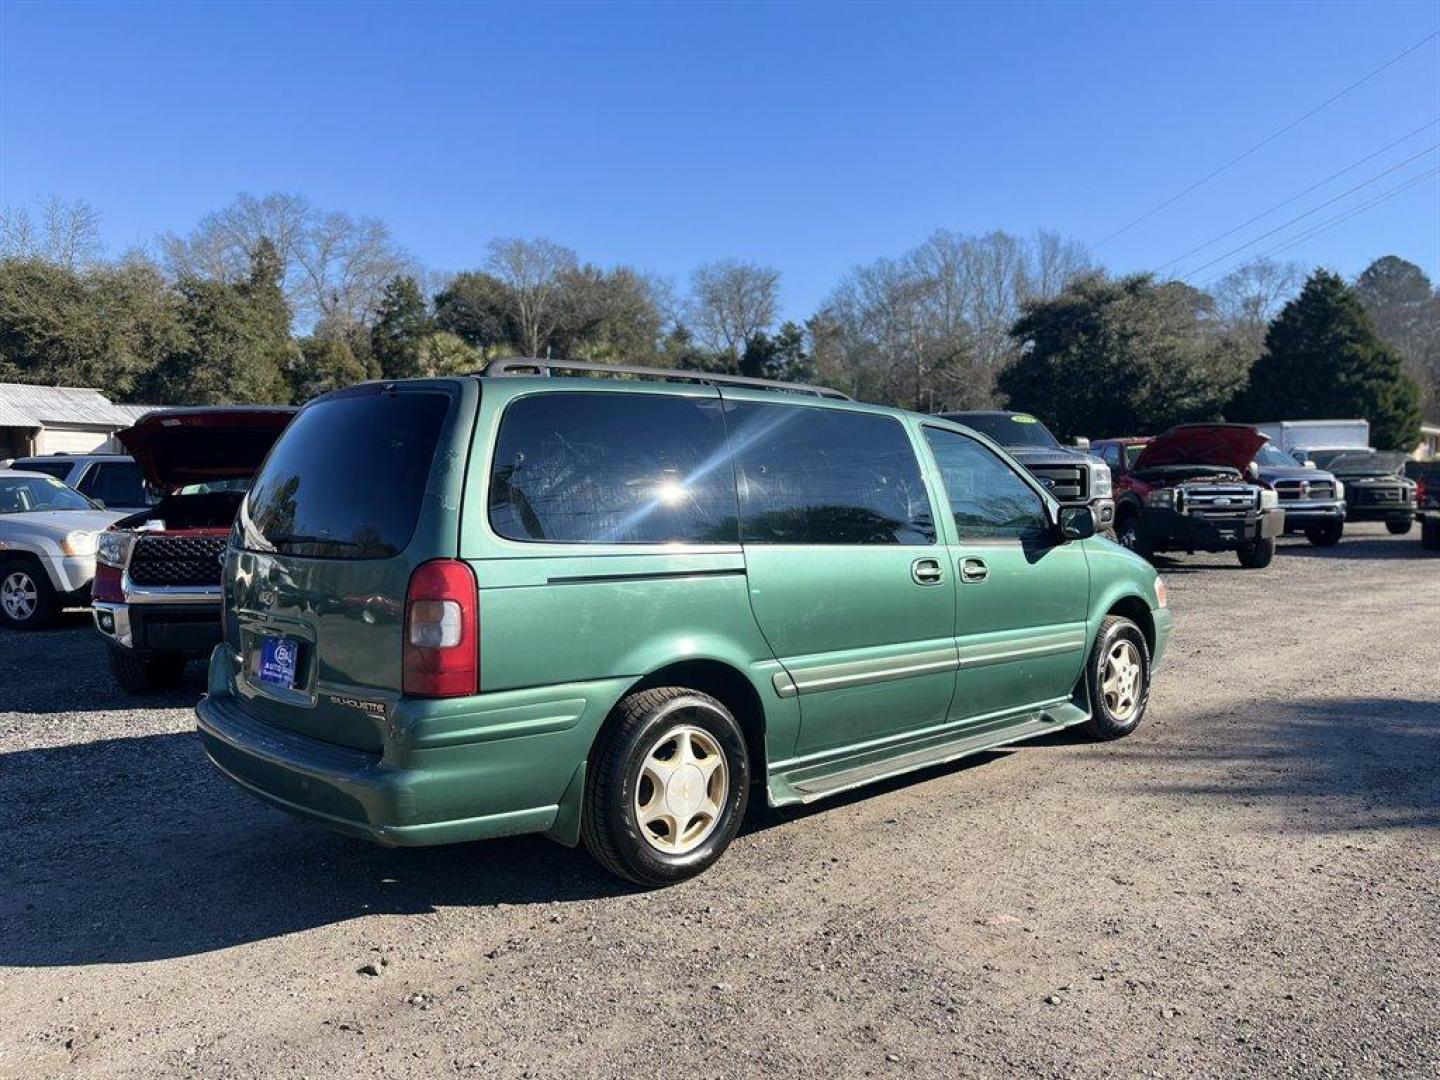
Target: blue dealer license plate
[{"x": 277, "y": 661}]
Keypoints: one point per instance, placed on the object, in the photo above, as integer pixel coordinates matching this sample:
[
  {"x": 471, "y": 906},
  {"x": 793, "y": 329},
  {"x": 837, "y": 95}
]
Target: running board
[{"x": 1030, "y": 726}]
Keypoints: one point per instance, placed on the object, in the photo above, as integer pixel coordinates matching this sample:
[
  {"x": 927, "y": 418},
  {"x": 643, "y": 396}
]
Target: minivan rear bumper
[
  {"x": 346, "y": 790},
  {"x": 450, "y": 770}
]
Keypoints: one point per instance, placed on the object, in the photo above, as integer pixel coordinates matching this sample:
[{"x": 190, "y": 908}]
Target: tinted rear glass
[
  {"x": 347, "y": 477},
  {"x": 826, "y": 476},
  {"x": 613, "y": 469},
  {"x": 1007, "y": 429},
  {"x": 116, "y": 483},
  {"x": 58, "y": 469}
]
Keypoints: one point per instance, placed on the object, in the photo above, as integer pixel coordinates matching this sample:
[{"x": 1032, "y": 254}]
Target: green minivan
[{"x": 605, "y": 606}]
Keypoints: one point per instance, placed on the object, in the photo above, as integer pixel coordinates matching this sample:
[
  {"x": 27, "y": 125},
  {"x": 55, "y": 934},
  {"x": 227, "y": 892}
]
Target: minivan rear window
[
  {"x": 584, "y": 468},
  {"x": 347, "y": 477}
]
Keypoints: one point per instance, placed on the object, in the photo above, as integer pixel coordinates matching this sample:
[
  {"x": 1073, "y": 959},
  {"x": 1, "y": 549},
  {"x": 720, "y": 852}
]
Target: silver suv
[{"x": 48, "y": 536}]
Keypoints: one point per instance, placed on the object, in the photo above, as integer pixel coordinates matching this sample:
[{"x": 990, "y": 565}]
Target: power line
[
  {"x": 1355, "y": 211},
  {"x": 1269, "y": 139},
  {"x": 1297, "y": 196},
  {"x": 1341, "y": 218},
  {"x": 1302, "y": 216}
]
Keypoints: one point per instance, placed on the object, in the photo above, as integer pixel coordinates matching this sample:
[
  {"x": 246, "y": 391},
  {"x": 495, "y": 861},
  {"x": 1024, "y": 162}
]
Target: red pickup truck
[
  {"x": 1192, "y": 489},
  {"x": 156, "y": 596}
]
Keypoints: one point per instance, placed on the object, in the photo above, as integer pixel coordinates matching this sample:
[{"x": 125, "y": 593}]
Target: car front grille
[
  {"x": 1219, "y": 501},
  {"x": 1379, "y": 494},
  {"x": 177, "y": 560},
  {"x": 1068, "y": 483},
  {"x": 1304, "y": 489}
]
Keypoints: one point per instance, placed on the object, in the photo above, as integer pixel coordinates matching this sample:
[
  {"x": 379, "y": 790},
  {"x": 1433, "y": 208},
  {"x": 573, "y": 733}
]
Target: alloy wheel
[
  {"x": 19, "y": 596},
  {"x": 1121, "y": 679},
  {"x": 684, "y": 783}
]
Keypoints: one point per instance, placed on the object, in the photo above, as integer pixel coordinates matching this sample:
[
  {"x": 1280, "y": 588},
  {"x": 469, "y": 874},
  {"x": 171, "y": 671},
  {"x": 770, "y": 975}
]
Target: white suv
[{"x": 47, "y": 547}]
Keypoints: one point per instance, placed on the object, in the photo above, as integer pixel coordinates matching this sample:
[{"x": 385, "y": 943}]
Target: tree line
[{"x": 273, "y": 299}]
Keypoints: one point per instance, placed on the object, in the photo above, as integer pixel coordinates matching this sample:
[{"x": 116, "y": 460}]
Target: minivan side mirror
[{"x": 1075, "y": 523}]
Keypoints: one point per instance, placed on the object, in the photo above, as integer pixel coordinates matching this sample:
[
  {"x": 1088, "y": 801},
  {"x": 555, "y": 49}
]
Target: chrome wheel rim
[
  {"x": 1120, "y": 680},
  {"x": 683, "y": 786},
  {"x": 1127, "y": 536},
  {"x": 18, "y": 596}
]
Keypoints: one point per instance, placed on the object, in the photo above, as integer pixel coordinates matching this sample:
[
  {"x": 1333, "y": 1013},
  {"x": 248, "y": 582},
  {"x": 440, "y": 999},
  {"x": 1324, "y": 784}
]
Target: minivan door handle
[
  {"x": 973, "y": 570},
  {"x": 926, "y": 572}
]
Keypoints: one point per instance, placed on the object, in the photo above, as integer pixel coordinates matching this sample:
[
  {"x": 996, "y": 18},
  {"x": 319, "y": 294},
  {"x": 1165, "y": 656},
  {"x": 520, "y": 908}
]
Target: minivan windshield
[{"x": 347, "y": 478}]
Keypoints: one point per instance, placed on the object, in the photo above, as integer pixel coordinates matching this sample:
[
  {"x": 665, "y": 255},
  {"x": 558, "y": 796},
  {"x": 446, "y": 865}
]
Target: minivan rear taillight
[{"x": 442, "y": 620}]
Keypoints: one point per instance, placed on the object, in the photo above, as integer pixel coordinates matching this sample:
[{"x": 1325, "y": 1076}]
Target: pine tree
[
  {"x": 1323, "y": 360},
  {"x": 402, "y": 322}
]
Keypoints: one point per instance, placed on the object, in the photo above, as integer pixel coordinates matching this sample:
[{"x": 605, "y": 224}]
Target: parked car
[
  {"x": 1376, "y": 489},
  {"x": 1192, "y": 489},
  {"x": 157, "y": 589},
  {"x": 1074, "y": 477},
  {"x": 47, "y": 548},
  {"x": 1313, "y": 500},
  {"x": 599, "y": 609},
  {"x": 1303, "y": 438},
  {"x": 112, "y": 480},
  {"x": 1427, "y": 504}
]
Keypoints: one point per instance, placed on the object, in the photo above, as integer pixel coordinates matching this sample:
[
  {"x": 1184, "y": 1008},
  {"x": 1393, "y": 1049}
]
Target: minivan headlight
[
  {"x": 1100, "y": 482},
  {"x": 1164, "y": 497},
  {"x": 1269, "y": 499},
  {"x": 78, "y": 542},
  {"x": 113, "y": 549}
]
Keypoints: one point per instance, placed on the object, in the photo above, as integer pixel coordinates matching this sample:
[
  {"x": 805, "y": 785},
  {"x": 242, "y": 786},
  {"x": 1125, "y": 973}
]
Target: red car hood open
[
  {"x": 1234, "y": 445},
  {"x": 176, "y": 447}
]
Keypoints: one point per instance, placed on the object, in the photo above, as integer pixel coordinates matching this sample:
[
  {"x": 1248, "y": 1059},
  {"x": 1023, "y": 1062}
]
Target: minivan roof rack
[{"x": 521, "y": 365}]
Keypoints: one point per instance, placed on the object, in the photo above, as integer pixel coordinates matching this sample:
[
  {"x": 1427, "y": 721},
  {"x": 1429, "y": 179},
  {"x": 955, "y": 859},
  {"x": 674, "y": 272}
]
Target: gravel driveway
[{"x": 1248, "y": 886}]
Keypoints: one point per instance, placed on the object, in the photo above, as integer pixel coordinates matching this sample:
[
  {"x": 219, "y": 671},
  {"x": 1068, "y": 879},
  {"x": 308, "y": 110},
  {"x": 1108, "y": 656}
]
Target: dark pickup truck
[
  {"x": 1375, "y": 488},
  {"x": 1074, "y": 477},
  {"x": 1427, "y": 504},
  {"x": 1193, "y": 489}
]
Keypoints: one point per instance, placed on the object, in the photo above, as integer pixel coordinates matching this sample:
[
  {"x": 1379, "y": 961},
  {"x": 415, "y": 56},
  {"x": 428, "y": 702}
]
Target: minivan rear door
[
  {"x": 364, "y": 485},
  {"x": 848, "y": 580}
]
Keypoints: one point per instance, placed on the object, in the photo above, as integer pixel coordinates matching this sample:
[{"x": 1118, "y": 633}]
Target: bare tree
[
  {"x": 732, "y": 301},
  {"x": 533, "y": 271},
  {"x": 66, "y": 234},
  {"x": 931, "y": 329},
  {"x": 336, "y": 265},
  {"x": 1248, "y": 297}
]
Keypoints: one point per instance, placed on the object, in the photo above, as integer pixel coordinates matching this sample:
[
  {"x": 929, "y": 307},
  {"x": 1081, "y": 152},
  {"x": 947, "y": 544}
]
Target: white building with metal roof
[{"x": 59, "y": 419}]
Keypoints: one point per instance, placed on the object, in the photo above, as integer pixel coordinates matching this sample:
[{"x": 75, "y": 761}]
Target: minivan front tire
[
  {"x": 668, "y": 788},
  {"x": 1118, "y": 678}
]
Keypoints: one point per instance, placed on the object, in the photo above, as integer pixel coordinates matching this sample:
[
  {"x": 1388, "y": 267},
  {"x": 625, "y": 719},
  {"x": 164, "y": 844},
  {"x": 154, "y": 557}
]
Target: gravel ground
[{"x": 1248, "y": 886}]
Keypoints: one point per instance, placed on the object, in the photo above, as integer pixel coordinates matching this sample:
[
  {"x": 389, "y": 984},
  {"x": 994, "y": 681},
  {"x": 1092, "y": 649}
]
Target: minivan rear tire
[
  {"x": 647, "y": 729},
  {"x": 1118, "y": 645}
]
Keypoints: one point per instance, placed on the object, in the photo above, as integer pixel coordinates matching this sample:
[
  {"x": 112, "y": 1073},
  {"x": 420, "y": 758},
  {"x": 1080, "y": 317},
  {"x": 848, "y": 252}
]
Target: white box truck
[{"x": 1308, "y": 436}]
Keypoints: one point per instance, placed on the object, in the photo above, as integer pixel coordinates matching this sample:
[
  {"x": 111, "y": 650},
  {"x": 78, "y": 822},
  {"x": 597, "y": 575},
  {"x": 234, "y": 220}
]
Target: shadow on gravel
[
  {"x": 1363, "y": 547},
  {"x": 126, "y": 850},
  {"x": 1332, "y": 765},
  {"x": 72, "y": 656}
]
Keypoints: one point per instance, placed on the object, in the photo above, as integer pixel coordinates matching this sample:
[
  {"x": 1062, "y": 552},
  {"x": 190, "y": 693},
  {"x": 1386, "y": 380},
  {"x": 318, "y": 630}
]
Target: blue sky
[{"x": 808, "y": 136}]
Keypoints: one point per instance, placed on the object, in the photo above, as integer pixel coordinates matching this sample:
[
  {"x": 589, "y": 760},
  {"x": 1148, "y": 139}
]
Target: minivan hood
[
  {"x": 176, "y": 447},
  {"x": 1232, "y": 445}
]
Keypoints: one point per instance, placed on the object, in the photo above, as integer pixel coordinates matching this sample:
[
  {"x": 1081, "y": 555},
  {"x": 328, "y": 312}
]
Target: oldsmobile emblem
[{"x": 267, "y": 597}]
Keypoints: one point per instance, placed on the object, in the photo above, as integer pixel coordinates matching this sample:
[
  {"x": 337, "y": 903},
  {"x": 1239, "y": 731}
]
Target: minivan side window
[
  {"x": 816, "y": 475},
  {"x": 987, "y": 498},
  {"x": 608, "y": 468}
]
